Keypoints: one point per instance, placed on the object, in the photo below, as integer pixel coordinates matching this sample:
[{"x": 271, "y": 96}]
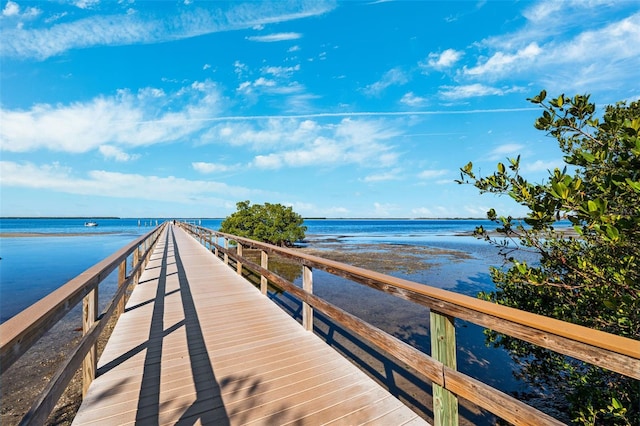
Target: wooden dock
[{"x": 198, "y": 344}]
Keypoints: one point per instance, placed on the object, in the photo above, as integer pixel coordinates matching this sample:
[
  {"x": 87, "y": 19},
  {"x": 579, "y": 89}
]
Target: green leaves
[
  {"x": 633, "y": 185},
  {"x": 587, "y": 156},
  {"x": 539, "y": 98},
  {"x": 271, "y": 223},
  {"x": 589, "y": 274},
  {"x": 559, "y": 190}
]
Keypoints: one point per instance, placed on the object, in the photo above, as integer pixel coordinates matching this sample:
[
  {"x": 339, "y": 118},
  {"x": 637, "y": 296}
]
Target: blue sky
[{"x": 347, "y": 109}]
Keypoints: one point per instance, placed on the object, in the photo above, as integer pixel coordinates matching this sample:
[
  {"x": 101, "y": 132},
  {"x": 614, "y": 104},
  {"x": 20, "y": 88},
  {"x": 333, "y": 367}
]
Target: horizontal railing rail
[
  {"x": 615, "y": 353},
  {"x": 22, "y": 331}
]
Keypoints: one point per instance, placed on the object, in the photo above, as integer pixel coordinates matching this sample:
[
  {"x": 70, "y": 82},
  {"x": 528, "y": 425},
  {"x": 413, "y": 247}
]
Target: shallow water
[{"x": 32, "y": 267}]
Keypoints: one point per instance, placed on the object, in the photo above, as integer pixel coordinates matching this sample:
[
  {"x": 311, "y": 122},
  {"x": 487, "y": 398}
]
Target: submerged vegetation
[{"x": 591, "y": 279}]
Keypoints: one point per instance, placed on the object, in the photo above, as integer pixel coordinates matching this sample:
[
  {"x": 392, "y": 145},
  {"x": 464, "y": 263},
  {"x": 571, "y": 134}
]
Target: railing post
[
  {"x": 89, "y": 316},
  {"x": 136, "y": 260},
  {"x": 216, "y": 247},
  {"x": 226, "y": 247},
  {"x": 443, "y": 349},
  {"x": 307, "y": 285},
  {"x": 145, "y": 248},
  {"x": 264, "y": 262},
  {"x": 238, "y": 262},
  {"x": 122, "y": 276}
]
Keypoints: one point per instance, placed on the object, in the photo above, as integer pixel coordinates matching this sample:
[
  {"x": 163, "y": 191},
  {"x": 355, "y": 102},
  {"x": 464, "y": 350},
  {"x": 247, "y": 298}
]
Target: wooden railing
[
  {"x": 22, "y": 331},
  {"x": 615, "y": 353}
]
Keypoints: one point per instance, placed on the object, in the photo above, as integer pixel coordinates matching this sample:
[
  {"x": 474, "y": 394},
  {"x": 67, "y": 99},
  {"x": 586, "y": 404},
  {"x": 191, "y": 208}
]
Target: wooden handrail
[
  {"x": 616, "y": 353},
  {"x": 23, "y": 330},
  {"x": 555, "y": 336}
]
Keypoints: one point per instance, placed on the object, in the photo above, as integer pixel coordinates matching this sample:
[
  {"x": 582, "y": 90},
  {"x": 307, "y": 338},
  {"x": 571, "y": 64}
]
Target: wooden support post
[
  {"x": 264, "y": 262},
  {"x": 122, "y": 276},
  {"x": 239, "y": 262},
  {"x": 307, "y": 285},
  {"x": 136, "y": 260},
  {"x": 443, "y": 349},
  {"x": 226, "y": 246},
  {"x": 89, "y": 316}
]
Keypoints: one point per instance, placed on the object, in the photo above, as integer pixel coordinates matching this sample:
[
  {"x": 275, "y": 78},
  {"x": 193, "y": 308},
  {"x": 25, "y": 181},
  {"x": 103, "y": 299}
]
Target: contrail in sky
[{"x": 341, "y": 114}]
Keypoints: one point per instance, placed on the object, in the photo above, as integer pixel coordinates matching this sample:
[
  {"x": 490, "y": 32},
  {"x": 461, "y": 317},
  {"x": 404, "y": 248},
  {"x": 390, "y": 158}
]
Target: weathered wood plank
[
  {"x": 609, "y": 351},
  {"x": 89, "y": 316},
  {"x": 220, "y": 353},
  {"x": 443, "y": 348},
  {"x": 505, "y": 406},
  {"x": 20, "y": 332}
]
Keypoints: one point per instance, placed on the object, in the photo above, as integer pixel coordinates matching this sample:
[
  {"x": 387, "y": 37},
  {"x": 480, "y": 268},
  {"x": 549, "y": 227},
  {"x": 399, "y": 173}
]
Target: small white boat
[{"x": 90, "y": 224}]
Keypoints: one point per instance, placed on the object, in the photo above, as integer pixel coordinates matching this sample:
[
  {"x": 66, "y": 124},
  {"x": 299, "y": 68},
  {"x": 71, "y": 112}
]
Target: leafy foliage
[
  {"x": 589, "y": 277},
  {"x": 271, "y": 223}
]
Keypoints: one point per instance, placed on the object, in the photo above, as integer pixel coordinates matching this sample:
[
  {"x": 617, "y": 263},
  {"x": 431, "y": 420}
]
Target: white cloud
[
  {"x": 144, "y": 28},
  {"x": 430, "y": 174},
  {"x": 208, "y": 168},
  {"x": 393, "y": 77},
  {"x": 385, "y": 209},
  {"x": 86, "y": 4},
  {"x": 543, "y": 10},
  {"x": 55, "y": 17},
  {"x": 541, "y": 165},
  {"x": 382, "y": 177},
  {"x": 477, "y": 210},
  {"x": 264, "y": 82},
  {"x": 115, "y": 153},
  {"x": 500, "y": 63},
  {"x": 273, "y": 86},
  {"x": 121, "y": 185},
  {"x": 281, "y": 71},
  {"x": 126, "y": 119},
  {"x": 270, "y": 161},
  {"x": 474, "y": 90},
  {"x": 616, "y": 41},
  {"x": 565, "y": 46},
  {"x": 440, "y": 61},
  {"x": 270, "y": 38},
  {"x": 266, "y": 134},
  {"x": 239, "y": 68},
  {"x": 11, "y": 9},
  {"x": 503, "y": 151},
  {"x": 361, "y": 142},
  {"x": 410, "y": 99}
]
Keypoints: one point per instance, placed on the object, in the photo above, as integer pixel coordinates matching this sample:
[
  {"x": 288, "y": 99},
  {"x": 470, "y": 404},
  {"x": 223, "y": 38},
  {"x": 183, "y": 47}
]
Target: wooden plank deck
[{"x": 197, "y": 344}]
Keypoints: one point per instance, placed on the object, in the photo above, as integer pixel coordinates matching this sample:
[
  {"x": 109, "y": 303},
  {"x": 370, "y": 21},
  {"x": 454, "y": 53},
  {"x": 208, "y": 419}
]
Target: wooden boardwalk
[{"x": 198, "y": 344}]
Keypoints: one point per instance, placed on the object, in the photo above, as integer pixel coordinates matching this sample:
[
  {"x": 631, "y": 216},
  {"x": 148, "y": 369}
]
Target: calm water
[{"x": 32, "y": 267}]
